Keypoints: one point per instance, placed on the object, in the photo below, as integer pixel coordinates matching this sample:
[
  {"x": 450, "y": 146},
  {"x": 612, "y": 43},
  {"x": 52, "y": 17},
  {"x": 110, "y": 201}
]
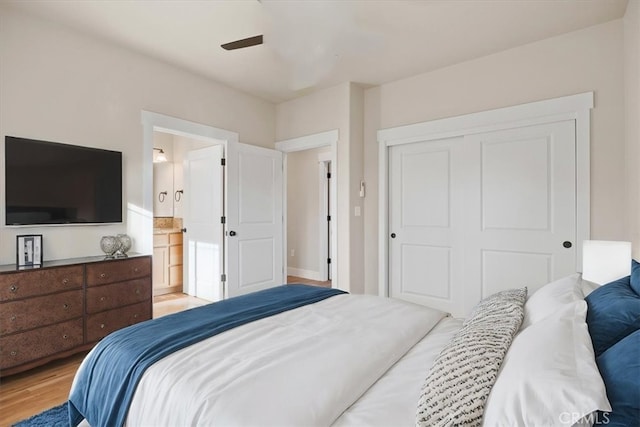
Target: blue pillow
[
  {"x": 613, "y": 313},
  {"x": 620, "y": 370},
  {"x": 635, "y": 276}
]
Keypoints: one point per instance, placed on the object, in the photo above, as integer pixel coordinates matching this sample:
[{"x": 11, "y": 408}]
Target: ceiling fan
[{"x": 240, "y": 44}]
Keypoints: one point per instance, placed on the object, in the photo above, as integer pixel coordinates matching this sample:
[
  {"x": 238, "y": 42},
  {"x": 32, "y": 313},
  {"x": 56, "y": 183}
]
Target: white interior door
[
  {"x": 481, "y": 213},
  {"x": 254, "y": 219},
  {"x": 203, "y": 209},
  {"x": 426, "y": 223}
]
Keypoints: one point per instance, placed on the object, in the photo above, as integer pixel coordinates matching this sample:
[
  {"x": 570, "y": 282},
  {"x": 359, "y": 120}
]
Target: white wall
[
  {"x": 304, "y": 218},
  {"x": 321, "y": 111},
  {"x": 632, "y": 119},
  {"x": 586, "y": 60},
  {"x": 58, "y": 85}
]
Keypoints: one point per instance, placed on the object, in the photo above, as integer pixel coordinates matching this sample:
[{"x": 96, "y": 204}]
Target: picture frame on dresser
[{"x": 29, "y": 251}]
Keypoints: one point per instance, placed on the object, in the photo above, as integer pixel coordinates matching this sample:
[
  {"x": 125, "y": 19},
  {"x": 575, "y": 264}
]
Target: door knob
[
  {"x": 393, "y": 235},
  {"x": 232, "y": 233},
  {"x": 184, "y": 230},
  {"x": 567, "y": 244}
]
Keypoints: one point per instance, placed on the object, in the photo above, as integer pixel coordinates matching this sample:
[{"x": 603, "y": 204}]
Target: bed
[{"x": 357, "y": 360}]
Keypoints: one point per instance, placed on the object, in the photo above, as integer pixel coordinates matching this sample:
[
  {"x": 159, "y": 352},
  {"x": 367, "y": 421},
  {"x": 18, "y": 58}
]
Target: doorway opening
[
  {"x": 186, "y": 234},
  {"x": 310, "y": 214},
  {"x": 188, "y": 240},
  {"x": 308, "y": 217}
]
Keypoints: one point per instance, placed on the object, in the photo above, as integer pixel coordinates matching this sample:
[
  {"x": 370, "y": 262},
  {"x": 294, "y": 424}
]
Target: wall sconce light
[
  {"x": 160, "y": 157},
  {"x": 605, "y": 261}
]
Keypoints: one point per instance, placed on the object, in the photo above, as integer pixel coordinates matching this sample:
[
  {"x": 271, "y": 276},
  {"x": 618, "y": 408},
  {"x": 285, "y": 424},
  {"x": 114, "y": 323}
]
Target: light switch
[{"x": 357, "y": 211}]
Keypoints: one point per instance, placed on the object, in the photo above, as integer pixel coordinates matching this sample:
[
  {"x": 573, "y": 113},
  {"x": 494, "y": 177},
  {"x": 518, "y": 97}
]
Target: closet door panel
[
  {"x": 526, "y": 200},
  {"x": 425, "y": 210}
]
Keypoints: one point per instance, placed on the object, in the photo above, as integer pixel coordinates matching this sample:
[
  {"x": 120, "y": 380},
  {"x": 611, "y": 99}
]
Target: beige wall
[
  {"x": 60, "y": 86},
  {"x": 321, "y": 111},
  {"x": 632, "y": 119},
  {"x": 586, "y": 60},
  {"x": 356, "y": 175},
  {"x": 304, "y": 218}
]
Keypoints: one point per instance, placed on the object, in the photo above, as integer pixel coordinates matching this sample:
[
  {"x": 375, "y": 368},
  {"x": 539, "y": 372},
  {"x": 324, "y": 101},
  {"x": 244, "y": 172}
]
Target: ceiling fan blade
[{"x": 239, "y": 44}]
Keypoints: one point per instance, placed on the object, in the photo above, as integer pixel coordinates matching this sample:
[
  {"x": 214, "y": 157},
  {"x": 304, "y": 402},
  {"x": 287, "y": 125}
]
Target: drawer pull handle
[
  {"x": 65, "y": 306},
  {"x": 102, "y": 326},
  {"x": 103, "y": 275},
  {"x": 14, "y": 353},
  {"x": 137, "y": 291},
  {"x": 13, "y": 288},
  {"x": 65, "y": 336},
  {"x": 136, "y": 270},
  {"x": 103, "y": 298},
  {"x": 65, "y": 281},
  {"x": 135, "y": 316},
  {"x": 13, "y": 318}
]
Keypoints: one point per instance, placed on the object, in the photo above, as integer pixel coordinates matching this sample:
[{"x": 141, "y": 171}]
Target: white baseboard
[{"x": 305, "y": 274}]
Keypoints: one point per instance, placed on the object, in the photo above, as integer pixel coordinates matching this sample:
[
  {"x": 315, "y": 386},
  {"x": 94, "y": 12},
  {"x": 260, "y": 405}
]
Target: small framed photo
[{"x": 29, "y": 250}]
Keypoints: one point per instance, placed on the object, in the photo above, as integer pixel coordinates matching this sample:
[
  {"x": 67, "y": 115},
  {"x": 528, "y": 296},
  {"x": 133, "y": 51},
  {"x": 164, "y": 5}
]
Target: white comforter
[
  {"x": 393, "y": 399},
  {"x": 301, "y": 367}
]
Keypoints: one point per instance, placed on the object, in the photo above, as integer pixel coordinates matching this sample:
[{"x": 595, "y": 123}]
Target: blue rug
[{"x": 54, "y": 417}]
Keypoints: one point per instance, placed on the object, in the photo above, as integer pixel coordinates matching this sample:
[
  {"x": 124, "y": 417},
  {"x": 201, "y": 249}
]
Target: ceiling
[{"x": 310, "y": 45}]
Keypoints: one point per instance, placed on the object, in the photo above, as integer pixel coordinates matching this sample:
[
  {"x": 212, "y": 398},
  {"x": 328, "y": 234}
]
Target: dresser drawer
[
  {"x": 21, "y": 348},
  {"x": 23, "y": 284},
  {"x": 111, "y": 271},
  {"x": 101, "y": 324},
  {"x": 21, "y": 315},
  {"x": 101, "y": 298}
]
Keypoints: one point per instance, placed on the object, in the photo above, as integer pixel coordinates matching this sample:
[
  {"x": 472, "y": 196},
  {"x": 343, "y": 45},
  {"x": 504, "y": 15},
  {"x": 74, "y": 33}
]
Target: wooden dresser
[{"x": 67, "y": 306}]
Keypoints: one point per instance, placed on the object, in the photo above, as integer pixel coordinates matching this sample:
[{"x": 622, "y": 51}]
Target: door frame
[
  {"x": 140, "y": 227},
  {"x": 572, "y": 107},
  {"x": 317, "y": 140}
]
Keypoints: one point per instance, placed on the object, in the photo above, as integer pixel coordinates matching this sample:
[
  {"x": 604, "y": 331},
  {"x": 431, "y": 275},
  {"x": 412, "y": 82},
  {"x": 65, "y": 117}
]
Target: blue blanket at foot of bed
[{"x": 109, "y": 376}]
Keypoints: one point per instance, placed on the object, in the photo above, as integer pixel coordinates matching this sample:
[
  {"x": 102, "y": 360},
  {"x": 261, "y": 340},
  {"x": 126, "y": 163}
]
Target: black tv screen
[{"x": 53, "y": 183}]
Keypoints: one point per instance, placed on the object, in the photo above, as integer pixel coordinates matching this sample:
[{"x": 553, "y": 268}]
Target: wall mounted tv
[{"x": 53, "y": 183}]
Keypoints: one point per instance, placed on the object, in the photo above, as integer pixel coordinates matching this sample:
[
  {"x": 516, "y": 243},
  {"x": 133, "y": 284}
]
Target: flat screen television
[{"x": 53, "y": 183}]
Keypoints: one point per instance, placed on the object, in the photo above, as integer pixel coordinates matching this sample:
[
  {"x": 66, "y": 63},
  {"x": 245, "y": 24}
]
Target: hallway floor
[{"x": 296, "y": 279}]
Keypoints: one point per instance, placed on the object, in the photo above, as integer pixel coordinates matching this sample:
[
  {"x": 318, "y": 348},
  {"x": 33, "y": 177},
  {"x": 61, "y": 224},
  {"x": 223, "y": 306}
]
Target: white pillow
[
  {"x": 549, "y": 376},
  {"x": 551, "y": 298}
]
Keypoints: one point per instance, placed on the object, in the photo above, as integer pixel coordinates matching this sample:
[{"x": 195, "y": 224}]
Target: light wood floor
[
  {"x": 296, "y": 279},
  {"x": 29, "y": 393}
]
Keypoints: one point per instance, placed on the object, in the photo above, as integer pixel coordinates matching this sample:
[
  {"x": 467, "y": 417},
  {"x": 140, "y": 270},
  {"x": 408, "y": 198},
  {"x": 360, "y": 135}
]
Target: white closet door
[
  {"x": 475, "y": 215},
  {"x": 426, "y": 223},
  {"x": 254, "y": 219},
  {"x": 523, "y": 231}
]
